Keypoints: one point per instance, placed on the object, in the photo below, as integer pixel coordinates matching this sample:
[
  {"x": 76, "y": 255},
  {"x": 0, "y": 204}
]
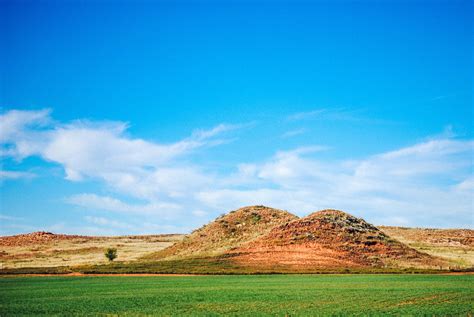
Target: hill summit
[{"x": 227, "y": 232}]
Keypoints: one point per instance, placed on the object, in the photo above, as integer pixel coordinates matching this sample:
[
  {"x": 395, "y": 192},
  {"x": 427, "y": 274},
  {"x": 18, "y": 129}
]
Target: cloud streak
[
  {"x": 336, "y": 114},
  {"x": 5, "y": 175},
  {"x": 292, "y": 133},
  {"x": 96, "y": 202}
]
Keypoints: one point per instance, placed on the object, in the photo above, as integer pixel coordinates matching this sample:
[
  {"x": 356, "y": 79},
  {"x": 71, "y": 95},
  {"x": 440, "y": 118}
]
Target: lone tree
[{"x": 111, "y": 254}]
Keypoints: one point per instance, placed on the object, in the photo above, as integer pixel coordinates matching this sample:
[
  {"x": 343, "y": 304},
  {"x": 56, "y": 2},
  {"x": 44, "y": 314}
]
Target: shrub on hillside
[{"x": 111, "y": 254}]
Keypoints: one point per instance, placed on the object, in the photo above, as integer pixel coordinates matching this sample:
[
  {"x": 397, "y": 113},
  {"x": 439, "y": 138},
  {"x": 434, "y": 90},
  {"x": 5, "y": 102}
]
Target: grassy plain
[
  {"x": 239, "y": 295},
  {"x": 80, "y": 250}
]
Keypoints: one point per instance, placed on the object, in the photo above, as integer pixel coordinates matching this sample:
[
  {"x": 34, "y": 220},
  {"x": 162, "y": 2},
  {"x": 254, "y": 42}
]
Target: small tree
[{"x": 111, "y": 254}]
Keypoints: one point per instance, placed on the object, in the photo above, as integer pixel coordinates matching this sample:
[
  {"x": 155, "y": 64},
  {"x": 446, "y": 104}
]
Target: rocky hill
[{"x": 329, "y": 239}]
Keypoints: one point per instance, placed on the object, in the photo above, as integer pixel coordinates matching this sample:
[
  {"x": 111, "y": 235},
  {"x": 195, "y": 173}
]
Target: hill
[
  {"x": 329, "y": 239},
  {"x": 35, "y": 238},
  {"x": 227, "y": 232}
]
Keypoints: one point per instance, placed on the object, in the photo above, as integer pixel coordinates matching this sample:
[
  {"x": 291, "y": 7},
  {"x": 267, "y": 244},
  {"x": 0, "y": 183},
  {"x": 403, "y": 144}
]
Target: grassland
[
  {"x": 239, "y": 294},
  {"x": 78, "y": 250},
  {"x": 454, "y": 245},
  {"x": 208, "y": 266}
]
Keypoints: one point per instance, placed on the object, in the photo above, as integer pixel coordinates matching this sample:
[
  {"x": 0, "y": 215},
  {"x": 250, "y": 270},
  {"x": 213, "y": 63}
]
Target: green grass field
[{"x": 239, "y": 295}]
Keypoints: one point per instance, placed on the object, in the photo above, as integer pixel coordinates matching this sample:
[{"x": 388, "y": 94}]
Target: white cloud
[
  {"x": 23, "y": 133},
  {"x": 102, "y": 151},
  {"x": 13, "y": 123}
]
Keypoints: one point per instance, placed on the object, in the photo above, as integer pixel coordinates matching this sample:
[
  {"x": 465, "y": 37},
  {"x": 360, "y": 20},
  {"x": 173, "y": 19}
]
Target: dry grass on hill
[
  {"x": 455, "y": 245},
  {"x": 44, "y": 249},
  {"x": 227, "y": 232}
]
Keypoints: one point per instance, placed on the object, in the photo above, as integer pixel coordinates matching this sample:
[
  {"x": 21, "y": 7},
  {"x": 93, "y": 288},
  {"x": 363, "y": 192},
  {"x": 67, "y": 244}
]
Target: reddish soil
[
  {"x": 310, "y": 255},
  {"x": 43, "y": 237},
  {"x": 40, "y": 237},
  {"x": 77, "y": 274},
  {"x": 328, "y": 238}
]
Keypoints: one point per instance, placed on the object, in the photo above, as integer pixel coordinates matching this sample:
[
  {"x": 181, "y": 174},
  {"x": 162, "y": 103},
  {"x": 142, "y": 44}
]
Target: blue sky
[{"x": 148, "y": 117}]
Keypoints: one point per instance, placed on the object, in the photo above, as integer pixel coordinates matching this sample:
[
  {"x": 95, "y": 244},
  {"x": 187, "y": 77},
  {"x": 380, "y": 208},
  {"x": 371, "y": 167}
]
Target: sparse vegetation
[{"x": 255, "y": 217}]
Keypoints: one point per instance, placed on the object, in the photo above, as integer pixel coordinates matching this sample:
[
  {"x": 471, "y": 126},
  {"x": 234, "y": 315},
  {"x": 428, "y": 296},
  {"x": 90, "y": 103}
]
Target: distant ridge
[{"x": 37, "y": 237}]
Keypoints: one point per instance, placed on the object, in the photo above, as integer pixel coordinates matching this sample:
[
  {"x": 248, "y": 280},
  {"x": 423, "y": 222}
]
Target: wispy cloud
[
  {"x": 108, "y": 226},
  {"x": 96, "y": 202},
  {"x": 4, "y": 175},
  {"x": 10, "y": 218},
  {"x": 306, "y": 115},
  {"x": 337, "y": 114},
  {"x": 101, "y": 221},
  {"x": 292, "y": 133},
  {"x": 14, "y": 122}
]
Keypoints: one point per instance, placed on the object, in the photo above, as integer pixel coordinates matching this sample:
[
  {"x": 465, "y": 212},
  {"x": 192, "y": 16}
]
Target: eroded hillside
[{"x": 328, "y": 239}]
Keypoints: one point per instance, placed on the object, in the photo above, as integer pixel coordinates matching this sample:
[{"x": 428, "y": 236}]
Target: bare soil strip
[{"x": 77, "y": 274}]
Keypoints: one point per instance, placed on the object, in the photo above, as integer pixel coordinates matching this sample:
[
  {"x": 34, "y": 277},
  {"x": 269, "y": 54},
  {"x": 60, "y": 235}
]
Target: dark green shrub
[{"x": 111, "y": 254}]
